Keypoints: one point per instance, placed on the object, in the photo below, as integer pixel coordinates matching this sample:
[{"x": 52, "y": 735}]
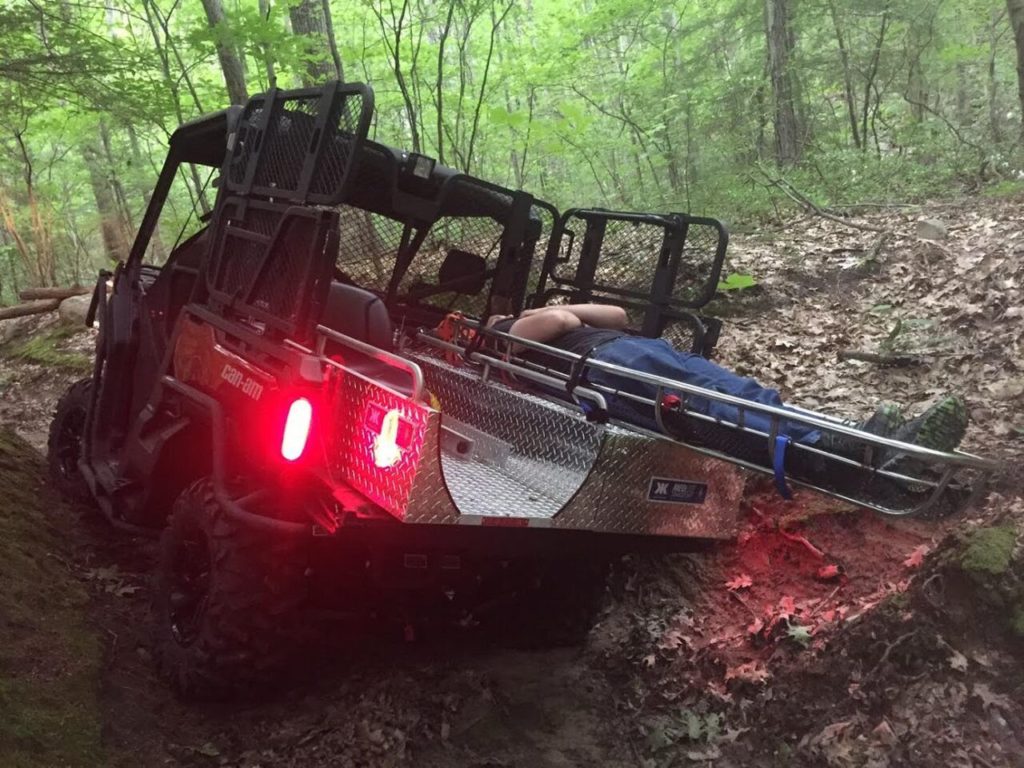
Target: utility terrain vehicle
[{"x": 278, "y": 400}]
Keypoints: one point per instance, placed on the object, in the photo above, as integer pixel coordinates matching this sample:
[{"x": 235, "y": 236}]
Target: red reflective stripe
[{"x": 506, "y": 522}]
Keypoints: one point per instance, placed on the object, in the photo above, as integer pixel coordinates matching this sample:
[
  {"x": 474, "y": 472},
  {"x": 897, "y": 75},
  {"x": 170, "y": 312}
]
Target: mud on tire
[
  {"x": 64, "y": 445},
  {"x": 226, "y": 601}
]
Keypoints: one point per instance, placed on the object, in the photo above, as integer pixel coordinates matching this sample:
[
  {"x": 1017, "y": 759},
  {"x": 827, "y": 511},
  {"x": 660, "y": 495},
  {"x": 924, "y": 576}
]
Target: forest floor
[{"x": 823, "y": 636}]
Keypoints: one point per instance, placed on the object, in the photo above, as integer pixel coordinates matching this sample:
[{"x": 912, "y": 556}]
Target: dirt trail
[
  {"x": 823, "y": 636},
  {"x": 365, "y": 698}
]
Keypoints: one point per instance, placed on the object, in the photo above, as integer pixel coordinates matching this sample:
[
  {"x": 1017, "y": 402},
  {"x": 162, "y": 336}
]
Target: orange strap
[{"x": 453, "y": 331}]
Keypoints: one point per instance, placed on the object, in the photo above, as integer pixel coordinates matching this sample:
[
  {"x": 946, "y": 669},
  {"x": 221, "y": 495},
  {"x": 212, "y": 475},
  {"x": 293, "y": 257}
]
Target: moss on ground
[
  {"x": 989, "y": 551},
  {"x": 1017, "y": 623},
  {"x": 47, "y": 348},
  {"x": 49, "y": 655}
]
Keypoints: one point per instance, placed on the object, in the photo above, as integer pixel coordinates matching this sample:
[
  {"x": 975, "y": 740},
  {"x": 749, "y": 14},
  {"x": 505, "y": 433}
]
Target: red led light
[{"x": 296, "y": 429}]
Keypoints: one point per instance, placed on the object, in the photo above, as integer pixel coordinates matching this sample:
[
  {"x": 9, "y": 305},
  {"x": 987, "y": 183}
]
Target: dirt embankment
[
  {"x": 823, "y": 636},
  {"x": 49, "y": 653}
]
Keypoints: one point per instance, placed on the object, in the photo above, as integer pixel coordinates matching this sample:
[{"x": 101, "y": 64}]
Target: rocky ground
[{"x": 823, "y": 636}]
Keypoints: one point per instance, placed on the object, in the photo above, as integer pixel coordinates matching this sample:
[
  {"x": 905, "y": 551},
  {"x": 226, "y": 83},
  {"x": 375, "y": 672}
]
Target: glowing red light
[{"x": 296, "y": 429}]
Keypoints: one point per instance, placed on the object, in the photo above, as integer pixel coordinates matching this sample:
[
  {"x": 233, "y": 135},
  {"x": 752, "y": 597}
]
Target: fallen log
[
  {"x": 29, "y": 308},
  {"x": 31, "y": 294},
  {"x": 879, "y": 358}
]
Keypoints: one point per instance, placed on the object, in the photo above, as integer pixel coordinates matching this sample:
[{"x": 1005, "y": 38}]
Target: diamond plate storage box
[{"x": 493, "y": 455}]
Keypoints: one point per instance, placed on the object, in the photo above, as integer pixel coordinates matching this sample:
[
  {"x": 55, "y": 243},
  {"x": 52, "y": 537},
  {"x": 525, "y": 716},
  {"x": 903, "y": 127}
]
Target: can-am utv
[{"x": 278, "y": 398}]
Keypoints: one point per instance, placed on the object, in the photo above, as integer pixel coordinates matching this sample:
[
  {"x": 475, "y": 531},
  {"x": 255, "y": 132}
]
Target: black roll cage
[{"x": 416, "y": 192}]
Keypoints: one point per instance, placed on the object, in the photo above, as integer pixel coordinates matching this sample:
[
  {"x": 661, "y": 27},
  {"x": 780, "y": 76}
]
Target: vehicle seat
[{"x": 362, "y": 315}]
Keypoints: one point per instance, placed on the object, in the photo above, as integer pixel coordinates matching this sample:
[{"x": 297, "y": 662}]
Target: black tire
[
  {"x": 64, "y": 446},
  {"x": 233, "y": 627}
]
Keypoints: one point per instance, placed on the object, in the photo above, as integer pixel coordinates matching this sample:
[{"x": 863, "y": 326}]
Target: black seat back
[{"x": 359, "y": 314}]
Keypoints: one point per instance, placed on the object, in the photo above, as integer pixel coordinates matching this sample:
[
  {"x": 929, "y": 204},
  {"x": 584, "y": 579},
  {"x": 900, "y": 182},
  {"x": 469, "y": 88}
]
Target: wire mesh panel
[
  {"x": 629, "y": 254},
  {"x": 478, "y": 235},
  {"x": 299, "y": 145},
  {"x": 675, "y": 259},
  {"x": 268, "y": 260},
  {"x": 368, "y": 246},
  {"x": 246, "y": 233}
]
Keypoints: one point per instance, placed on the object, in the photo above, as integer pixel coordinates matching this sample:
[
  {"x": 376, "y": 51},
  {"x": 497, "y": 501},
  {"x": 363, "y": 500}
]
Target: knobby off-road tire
[
  {"x": 64, "y": 446},
  {"x": 243, "y": 628}
]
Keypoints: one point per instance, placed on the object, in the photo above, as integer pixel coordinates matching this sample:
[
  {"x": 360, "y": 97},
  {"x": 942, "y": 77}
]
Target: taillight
[{"x": 296, "y": 429}]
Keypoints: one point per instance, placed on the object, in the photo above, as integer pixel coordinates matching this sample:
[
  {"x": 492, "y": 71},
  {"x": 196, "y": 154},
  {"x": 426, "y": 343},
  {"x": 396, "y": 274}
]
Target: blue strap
[{"x": 781, "y": 442}]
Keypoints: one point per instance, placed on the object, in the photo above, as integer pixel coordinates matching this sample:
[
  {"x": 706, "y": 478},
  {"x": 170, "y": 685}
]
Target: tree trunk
[
  {"x": 781, "y": 44},
  {"x": 1016, "y": 9},
  {"x": 308, "y": 21},
  {"x": 31, "y": 308},
  {"x": 991, "y": 83},
  {"x": 114, "y": 241},
  {"x": 844, "y": 58},
  {"x": 44, "y": 266},
  {"x": 230, "y": 62},
  {"x": 34, "y": 294},
  {"x": 331, "y": 41},
  {"x": 265, "y": 49}
]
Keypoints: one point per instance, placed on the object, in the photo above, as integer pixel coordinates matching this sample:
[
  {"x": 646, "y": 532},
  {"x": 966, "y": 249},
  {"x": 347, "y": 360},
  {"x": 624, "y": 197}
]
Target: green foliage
[
  {"x": 989, "y": 551},
  {"x": 46, "y": 348},
  {"x": 690, "y": 726},
  {"x": 615, "y": 103},
  {"x": 799, "y": 634},
  {"x": 1005, "y": 188},
  {"x": 736, "y": 282},
  {"x": 1017, "y": 622}
]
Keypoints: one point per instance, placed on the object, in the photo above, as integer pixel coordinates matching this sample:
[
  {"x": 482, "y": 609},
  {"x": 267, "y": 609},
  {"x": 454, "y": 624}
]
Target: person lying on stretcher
[{"x": 597, "y": 331}]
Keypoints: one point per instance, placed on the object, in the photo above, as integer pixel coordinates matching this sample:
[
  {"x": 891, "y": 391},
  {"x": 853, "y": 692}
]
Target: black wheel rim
[
  {"x": 190, "y": 587},
  {"x": 69, "y": 443}
]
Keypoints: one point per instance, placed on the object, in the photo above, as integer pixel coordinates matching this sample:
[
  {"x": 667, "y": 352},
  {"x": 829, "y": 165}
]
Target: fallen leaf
[
  {"x": 916, "y": 557},
  {"x": 742, "y": 581},
  {"x": 828, "y": 572},
  {"x": 208, "y": 750},
  {"x": 1007, "y": 389},
  {"x": 799, "y": 634},
  {"x": 671, "y": 640},
  {"x": 711, "y": 752},
  {"x": 649, "y": 660},
  {"x": 787, "y": 606},
  {"x": 958, "y": 661},
  {"x": 751, "y": 672},
  {"x": 755, "y": 626},
  {"x": 991, "y": 699},
  {"x": 885, "y": 733}
]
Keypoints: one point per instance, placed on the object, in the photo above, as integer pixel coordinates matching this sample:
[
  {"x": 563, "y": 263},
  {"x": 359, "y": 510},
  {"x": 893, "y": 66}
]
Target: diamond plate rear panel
[
  {"x": 572, "y": 473},
  {"x": 550, "y": 448},
  {"x": 554, "y": 468},
  {"x": 615, "y": 498},
  {"x": 350, "y": 448}
]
